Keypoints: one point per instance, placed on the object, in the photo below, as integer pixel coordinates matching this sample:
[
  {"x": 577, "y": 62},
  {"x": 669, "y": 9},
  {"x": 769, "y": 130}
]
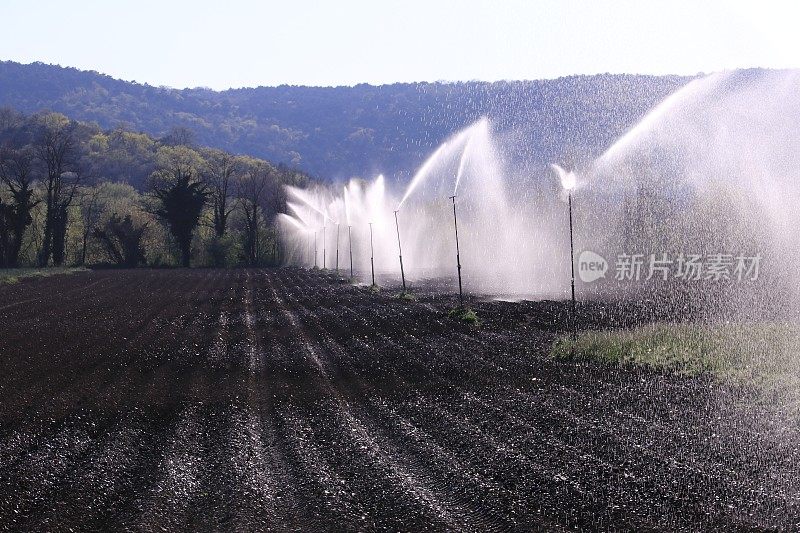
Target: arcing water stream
[{"x": 710, "y": 171}]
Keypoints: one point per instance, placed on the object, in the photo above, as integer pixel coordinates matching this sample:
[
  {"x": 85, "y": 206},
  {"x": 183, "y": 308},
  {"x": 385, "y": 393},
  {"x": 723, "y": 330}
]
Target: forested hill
[{"x": 337, "y": 132}]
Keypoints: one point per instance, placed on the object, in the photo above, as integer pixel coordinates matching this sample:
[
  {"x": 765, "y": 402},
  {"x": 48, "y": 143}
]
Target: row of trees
[{"x": 65, "y": 197}]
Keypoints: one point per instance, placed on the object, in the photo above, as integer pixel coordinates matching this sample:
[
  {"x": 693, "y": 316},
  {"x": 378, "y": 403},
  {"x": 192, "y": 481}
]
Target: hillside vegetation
[{"x": 338, "y": 132}]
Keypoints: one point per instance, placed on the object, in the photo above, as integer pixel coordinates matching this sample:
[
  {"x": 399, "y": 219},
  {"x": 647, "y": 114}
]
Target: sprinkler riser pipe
[
  {"x": 458, "y": 255},
  {"x": 400, "y": 249},
  {"x": 372, "y": 254},
  {"x": 460, "y": 290},
  {"x": 350, "y": 238},
  {"x": 572, "y": 267}
]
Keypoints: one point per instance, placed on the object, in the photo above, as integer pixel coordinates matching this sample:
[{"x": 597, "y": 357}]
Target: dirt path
[{"x": 288, "y": 400}]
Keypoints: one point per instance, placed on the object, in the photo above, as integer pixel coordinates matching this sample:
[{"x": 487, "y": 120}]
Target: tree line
[{"x": 66, "y": 197}]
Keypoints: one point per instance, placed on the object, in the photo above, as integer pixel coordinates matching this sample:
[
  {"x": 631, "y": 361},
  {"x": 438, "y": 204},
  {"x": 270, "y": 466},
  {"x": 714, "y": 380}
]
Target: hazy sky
[{"x": 235, "y": 43}]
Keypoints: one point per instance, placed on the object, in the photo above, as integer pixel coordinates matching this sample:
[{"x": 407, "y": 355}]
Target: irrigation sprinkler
[
  {"x": 458, "y": 255},
  {"x": 400, "y": 249},
  {"x": 569, "y": 186},
  {"x": 568, "y": 182},
  {"x": 315, "y": 248},
  {"x": 350, "y": 247},
  {"x": 324, "y": 265},
  {"x": 337, "y": 247},
  {"x": 371, "y": 254},
  {"x": 308, "y": 245},
  {"x": 572, "y": 264}
]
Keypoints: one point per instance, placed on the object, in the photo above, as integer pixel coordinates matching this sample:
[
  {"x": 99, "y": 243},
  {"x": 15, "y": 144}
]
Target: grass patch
[
  {"x": 765, "y": 354},
  {"x": 374, "y": 288},
  {"x": 14, "y": 275},
  {"x": 464, "y": 314},
  {"x": 405, "y": 295}
]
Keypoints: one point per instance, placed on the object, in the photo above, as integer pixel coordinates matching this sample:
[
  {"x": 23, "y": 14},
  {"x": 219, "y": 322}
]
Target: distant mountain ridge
[{"x": 334, "y": 133}]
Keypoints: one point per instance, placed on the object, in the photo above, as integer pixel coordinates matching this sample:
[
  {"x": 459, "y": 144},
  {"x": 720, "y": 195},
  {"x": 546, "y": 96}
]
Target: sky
[{"x": 237, "y": 43}]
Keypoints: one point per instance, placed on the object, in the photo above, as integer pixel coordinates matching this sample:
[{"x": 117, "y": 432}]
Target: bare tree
[
  {"x": 179, "y": 136},
  {"x": 91, "y": 213},
  {"x": 122, "y": 240},
  {"x": 10, "y": 119},
  {"x": 56, "y": 148},
  {"x": 252, "y": 189},
  {"x": 218, "y": 173}
]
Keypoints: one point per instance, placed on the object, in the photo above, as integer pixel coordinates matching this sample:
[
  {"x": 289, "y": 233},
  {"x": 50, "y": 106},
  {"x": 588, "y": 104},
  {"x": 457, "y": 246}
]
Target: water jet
[{"x": 497, "y": 226}]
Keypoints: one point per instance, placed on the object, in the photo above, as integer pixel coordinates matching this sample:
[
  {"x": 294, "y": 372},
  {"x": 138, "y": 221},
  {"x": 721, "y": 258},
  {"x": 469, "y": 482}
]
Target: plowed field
[{"x": 287, "y": 399}]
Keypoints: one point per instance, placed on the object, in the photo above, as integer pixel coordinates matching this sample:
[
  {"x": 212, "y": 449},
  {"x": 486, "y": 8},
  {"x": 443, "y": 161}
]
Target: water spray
[
  {"x": 315, "y": 248},
  {"x": 371, "y": 254},
  {"x": 324, "y": 266},
  {"x": 458, "y": 255},
  {"x": 400, "y": 249},
  {"x": 337, "y": 247},
  {"x": 350, "y": 247}
]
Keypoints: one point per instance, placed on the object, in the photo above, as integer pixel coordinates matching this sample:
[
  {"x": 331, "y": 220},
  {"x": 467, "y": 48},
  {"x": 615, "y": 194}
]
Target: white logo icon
[{"x": 591, "y": 266}]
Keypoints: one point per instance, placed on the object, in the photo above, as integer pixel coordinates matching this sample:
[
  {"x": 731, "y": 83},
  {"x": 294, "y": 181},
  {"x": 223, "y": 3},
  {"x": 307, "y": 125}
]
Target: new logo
[{"x": 591, "y": 266}]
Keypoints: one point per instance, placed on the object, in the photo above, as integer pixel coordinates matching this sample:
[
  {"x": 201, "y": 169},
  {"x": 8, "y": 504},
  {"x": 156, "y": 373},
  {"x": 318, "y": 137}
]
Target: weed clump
[
  {"x": 726, "y": 351},
  {"x": 15, "y": 275},
  {"x": 464, "y": 314}
]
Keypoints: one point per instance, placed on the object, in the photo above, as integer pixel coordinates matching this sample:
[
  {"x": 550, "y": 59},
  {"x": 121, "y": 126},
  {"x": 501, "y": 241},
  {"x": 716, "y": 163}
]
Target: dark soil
[{"x": 286, "y": 399}]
